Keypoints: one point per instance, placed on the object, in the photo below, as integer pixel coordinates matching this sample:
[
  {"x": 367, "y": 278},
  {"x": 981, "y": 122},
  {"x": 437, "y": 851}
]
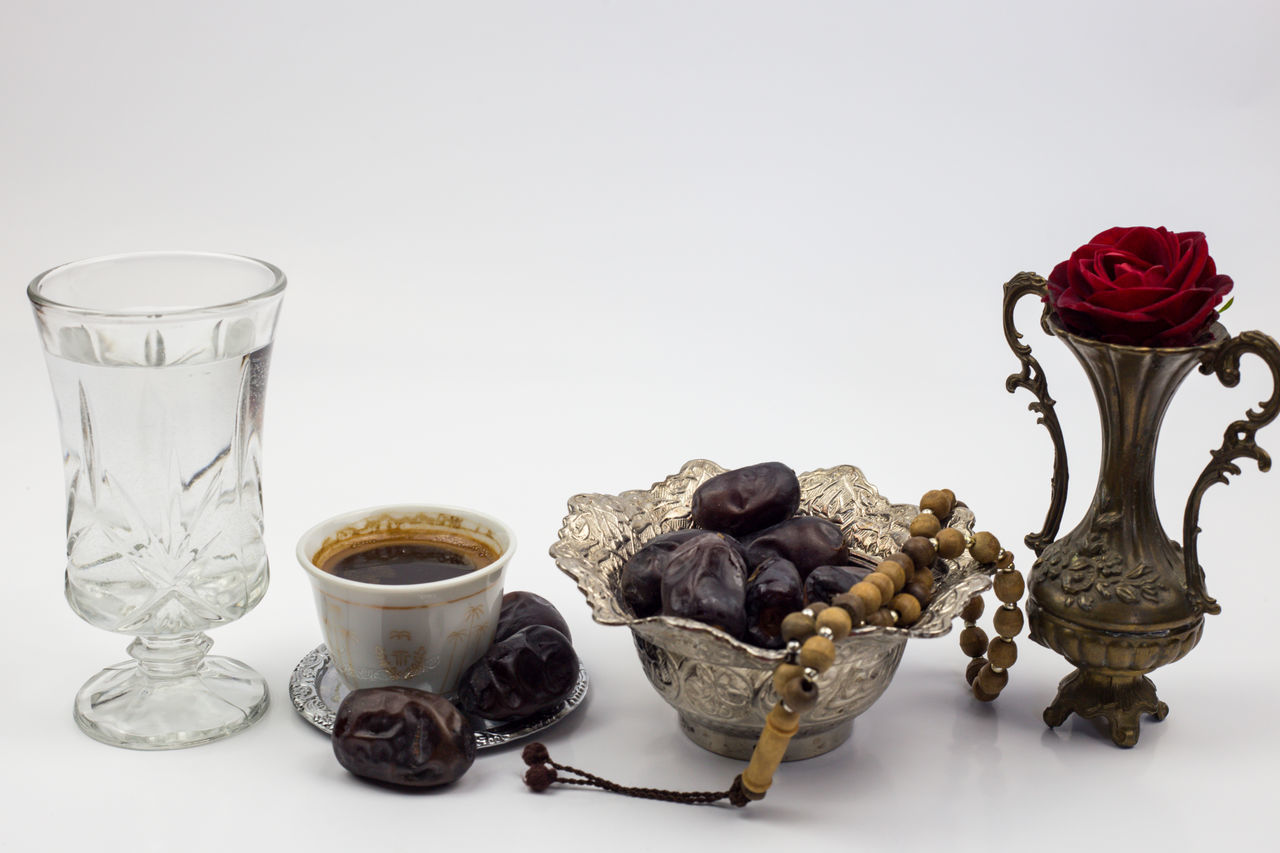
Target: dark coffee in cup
[
  {"x": 407, "y": 594},
  {"x": 405, "y": 557}
]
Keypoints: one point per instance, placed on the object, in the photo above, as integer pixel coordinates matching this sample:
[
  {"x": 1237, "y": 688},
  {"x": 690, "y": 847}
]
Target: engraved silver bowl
[{"x": 721, "y": 687}]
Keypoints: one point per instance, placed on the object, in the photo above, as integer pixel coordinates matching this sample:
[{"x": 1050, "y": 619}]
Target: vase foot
[
  {"x": 125, "y": 706},
  {"x": 1119, "y": 698}
]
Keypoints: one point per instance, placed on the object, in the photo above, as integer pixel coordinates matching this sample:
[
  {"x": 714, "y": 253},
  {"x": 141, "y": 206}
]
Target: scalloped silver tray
[
  {"x": 722, "y": 687},
  {"x": 317, "y": 691}
]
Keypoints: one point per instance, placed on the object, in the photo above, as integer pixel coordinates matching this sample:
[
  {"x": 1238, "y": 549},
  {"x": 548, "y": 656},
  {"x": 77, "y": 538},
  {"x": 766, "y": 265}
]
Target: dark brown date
[
  {"x": 826, "y": 582},
  {"x": 520, "y": 609},
  {"x": 640, "y": 582},
  {"x": 705, "y": 580},
  {"x": 530, "y": 671},
  {"x": 403, "y": 736},
  {"x": 807, "y": 541},
  {"x": 773, "y": 591},
  {"x": 746, "y": 500}
]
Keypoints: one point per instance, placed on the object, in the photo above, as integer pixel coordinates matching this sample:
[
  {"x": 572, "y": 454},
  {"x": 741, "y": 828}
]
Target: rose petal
[
  {"x": 1191, "y": 265},
  {"x": 1058, "y": 278},
  {"x": 1084, "y": 280},
  {"x": 1132, "y": 299},
  {"x": 1128, "y": 279},
  {"x": 1158, "y": 276},
  {"x": 1153, "y": 245},
  {"x": 1071, "y": 302},
  {"x": 1077, "y": 322},
  {"x": 1114, "y": 265},
  {"x": 1109, "y": 316},
  {"x": 1129, "y": 327},
  {"x": 1219, "y": 284},
  {"x": 1186, "y": 333},
  {"x": 1177, "y": 307},
  {"x": 1092, "y": 278}
]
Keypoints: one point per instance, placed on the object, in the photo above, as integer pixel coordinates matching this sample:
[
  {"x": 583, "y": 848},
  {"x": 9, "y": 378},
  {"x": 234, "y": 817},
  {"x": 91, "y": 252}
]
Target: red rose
[{"x": 1140, "y": 286}]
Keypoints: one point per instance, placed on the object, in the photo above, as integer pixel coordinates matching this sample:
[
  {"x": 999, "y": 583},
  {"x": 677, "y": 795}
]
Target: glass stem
[{"x": 170, "y": 657}]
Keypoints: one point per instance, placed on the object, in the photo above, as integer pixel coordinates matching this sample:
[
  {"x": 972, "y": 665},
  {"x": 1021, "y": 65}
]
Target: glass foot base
[{"x": 124, "y": 706}]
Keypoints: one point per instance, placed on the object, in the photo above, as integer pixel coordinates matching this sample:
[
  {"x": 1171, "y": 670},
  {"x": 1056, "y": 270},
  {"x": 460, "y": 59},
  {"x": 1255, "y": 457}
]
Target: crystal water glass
[{"x": 159, "y": 367}]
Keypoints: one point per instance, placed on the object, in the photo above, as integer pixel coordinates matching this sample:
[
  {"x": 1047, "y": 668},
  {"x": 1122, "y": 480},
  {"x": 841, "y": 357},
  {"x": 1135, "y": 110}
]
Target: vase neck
[{"x": 1134, "y": 387}]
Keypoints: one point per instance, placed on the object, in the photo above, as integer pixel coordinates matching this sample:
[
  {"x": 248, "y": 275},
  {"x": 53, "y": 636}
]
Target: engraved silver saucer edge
[{"x": 316, "y": 691}]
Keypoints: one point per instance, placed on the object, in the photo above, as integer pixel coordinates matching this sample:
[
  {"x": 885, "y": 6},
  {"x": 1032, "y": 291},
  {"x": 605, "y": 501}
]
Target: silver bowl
[{"x": 721, "y": 687}]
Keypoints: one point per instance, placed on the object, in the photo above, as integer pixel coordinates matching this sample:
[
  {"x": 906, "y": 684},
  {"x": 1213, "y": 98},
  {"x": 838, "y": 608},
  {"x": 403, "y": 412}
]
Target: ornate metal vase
[{"x": 1115, "y": 596}]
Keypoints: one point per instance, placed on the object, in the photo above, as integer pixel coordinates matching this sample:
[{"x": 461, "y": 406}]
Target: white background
[{"x": 536, "y": 249}]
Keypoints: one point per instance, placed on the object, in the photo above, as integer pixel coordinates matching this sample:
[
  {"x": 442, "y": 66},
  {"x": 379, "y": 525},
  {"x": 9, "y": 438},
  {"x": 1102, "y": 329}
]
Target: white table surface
[{"x": 537, "y": 249}]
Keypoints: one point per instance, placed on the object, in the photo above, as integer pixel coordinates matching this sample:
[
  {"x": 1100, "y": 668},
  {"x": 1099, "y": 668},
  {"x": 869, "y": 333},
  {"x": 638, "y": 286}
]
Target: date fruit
[
  {"x": 705, "y": 579},
  {"x": 773, "y": 591},
  {"x": 640, "y": 581},
  {"x": 826, "y": 582},
  {"x": 530, "y": 671},
  {"x": 403, "y": 736},
  {"x": 745, "y": 500},
  {"x": 807, "y": 541},
  {"x": 520, "y": 609}
]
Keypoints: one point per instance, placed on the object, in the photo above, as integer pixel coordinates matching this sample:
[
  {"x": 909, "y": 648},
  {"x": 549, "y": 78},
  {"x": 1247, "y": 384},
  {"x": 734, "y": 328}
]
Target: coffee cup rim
[{"x": 336, "y": 522}]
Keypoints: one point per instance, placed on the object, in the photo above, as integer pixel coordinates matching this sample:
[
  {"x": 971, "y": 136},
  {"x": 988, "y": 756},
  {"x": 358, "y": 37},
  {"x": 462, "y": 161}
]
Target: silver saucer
[{"x": 317, "y": 691}]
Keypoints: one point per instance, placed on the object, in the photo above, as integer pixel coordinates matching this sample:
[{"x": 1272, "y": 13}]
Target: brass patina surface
[{"x": 1115, "y": 596}]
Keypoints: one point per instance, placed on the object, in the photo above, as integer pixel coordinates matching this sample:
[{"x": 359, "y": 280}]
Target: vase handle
[
  {"x": 1237, "y": 443},
  {"x": 1032, "y": 378}
]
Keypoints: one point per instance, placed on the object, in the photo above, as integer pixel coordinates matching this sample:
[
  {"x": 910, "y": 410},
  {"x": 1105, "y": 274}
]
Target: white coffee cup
[{"x": 417, "y": 634}]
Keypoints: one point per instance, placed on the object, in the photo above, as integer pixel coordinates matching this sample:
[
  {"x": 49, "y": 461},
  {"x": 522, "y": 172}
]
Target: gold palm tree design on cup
[
  {"x": 476, "y": 612},
  {"x": 455, "y": 638},
  {"x": 466, "y": 638},
  {"x": 403, "y": 664}
]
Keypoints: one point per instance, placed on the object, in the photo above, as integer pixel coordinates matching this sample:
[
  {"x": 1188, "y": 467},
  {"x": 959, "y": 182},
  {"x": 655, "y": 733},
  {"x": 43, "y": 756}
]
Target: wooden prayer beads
[
  {"x": 895, "y": 594},
  {"x": 988, "y": 672}
]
